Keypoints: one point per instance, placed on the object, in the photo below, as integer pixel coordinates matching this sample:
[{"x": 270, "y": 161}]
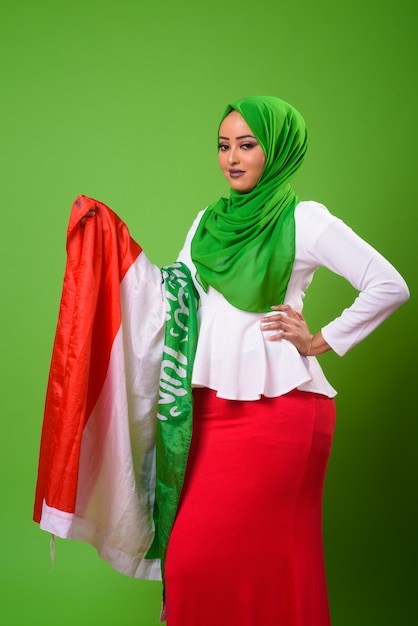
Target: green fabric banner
[{"x": 175, "y": 404}]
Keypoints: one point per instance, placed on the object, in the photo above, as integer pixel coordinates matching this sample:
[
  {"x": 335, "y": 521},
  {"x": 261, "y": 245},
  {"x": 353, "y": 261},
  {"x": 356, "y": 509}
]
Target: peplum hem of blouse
[{"x": 235, "y": 358}]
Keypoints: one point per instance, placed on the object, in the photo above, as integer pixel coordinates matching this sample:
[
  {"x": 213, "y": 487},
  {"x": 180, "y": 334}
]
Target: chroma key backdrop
[{"x": 120, "y": 101}]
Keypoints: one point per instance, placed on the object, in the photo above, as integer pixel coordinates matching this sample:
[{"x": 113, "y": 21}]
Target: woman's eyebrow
[{"x": 240, "y": 137}]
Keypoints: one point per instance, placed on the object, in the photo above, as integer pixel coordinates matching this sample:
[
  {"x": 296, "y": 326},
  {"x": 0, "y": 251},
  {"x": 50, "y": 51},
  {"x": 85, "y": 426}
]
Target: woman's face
[{"x": 240, "y": 156}]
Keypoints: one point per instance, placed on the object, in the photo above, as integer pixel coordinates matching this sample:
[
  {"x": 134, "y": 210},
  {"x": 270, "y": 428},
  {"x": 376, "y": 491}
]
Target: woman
[{"x": 246, "y": 545}]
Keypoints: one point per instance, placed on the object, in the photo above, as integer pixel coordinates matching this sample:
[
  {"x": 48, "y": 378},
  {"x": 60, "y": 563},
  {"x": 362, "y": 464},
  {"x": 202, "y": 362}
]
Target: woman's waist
[{"x": 249, "y": 370}]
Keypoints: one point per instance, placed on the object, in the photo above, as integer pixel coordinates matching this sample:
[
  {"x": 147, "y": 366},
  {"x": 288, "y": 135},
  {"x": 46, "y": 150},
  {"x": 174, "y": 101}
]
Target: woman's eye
[
  {"x": 223, "y": 147},
  {"x": 247, "y": 146}
]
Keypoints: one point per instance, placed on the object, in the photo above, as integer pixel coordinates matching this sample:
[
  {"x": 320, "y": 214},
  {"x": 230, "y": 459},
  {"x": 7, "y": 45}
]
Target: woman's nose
[{"x": 233, "y": 156}]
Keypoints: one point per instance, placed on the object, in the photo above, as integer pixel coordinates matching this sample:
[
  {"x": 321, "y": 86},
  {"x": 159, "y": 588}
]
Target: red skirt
[{"x": 246, "y": 546}]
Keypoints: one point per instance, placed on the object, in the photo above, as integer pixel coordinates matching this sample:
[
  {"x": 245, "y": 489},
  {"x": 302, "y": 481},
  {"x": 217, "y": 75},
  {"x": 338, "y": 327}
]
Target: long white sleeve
[{"x": 381, "y": 288}]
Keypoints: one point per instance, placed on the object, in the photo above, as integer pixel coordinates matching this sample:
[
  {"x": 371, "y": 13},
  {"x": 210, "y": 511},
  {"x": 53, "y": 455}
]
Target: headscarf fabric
[{"x": 244, "y": 245}]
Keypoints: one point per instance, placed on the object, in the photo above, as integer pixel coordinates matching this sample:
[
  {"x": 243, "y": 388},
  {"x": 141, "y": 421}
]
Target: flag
[{"x": 96, "y": 476}]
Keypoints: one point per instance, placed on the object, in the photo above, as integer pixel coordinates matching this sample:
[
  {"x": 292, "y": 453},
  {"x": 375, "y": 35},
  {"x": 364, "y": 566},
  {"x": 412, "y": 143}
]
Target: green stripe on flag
[{"x": 175, "y": 404}]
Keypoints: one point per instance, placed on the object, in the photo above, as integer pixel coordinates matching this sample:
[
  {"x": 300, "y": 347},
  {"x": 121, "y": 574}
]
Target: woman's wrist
[{"x": 317, "y": 345}]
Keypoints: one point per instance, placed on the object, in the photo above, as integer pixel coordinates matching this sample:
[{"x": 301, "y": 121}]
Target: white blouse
[{"x": 233, "y": 355}]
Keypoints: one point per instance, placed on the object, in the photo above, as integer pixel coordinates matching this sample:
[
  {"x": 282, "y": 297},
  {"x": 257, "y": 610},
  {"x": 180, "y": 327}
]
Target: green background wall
[{"x": 120, "y": 100}]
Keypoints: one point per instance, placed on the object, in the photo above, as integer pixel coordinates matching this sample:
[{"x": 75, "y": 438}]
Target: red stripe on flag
[{"x": 98, "y": 257}]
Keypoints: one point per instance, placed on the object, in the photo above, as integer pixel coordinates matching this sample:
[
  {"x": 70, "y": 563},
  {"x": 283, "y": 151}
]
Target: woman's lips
[{"x": 236, "y": 173}]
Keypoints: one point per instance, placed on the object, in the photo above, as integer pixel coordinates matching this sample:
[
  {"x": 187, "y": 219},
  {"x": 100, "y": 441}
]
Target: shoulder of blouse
[
  {"x": 184, "y": 254},
  {"x": 313, "y": 216},
  {"x": 312, "y": 219}
]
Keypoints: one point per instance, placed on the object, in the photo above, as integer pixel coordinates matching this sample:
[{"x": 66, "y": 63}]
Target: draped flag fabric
[{"x": 96, "y": 478}]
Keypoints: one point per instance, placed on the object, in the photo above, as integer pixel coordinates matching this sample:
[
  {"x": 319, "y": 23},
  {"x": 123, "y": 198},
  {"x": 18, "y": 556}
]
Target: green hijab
[{"x": 244, "y": 245}]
